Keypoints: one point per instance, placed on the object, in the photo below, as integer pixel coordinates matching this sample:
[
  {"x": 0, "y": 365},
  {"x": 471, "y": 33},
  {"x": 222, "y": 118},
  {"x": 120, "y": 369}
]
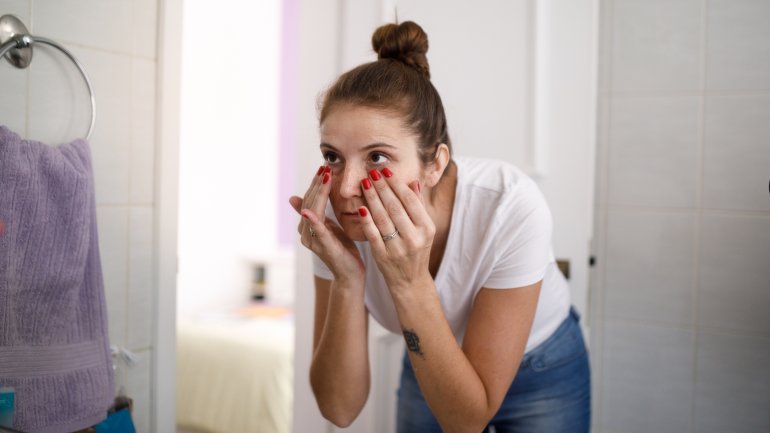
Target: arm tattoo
[{"x": 413, "y": 342}]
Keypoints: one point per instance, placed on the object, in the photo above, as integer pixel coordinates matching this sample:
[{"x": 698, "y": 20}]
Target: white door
[{"x": 518, "y": 80}]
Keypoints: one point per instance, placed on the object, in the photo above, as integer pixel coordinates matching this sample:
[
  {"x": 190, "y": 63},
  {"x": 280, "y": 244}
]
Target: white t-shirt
[{"x": 499, "y": 238}]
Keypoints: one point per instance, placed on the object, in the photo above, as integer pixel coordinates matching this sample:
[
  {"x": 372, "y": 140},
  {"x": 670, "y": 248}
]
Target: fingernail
[
  {"x": 365, "y": 182},
  {"x": 362, "y": 211},
  {"x": 386, "y": 172},
  {"x": 326, "y": 178},
  {"x": 374, "y": 174},
  {"x": 320, "y": 170},
  {"x": 327, "y": 169}
]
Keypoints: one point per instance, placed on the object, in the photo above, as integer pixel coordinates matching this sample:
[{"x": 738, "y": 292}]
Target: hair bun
[{"x": 405, "y": 42}]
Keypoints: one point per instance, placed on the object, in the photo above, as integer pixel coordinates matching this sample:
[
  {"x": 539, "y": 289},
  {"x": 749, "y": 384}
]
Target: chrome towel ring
[{"x": 16, "y": 46}]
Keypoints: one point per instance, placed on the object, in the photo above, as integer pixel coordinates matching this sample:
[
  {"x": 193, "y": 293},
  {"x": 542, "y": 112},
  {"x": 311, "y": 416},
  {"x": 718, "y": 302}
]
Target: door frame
[{"x": 165, "y": 221}]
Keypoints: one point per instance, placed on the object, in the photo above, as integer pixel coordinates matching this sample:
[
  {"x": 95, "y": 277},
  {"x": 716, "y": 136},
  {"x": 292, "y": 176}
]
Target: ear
[{"x": 435, "y": 169}]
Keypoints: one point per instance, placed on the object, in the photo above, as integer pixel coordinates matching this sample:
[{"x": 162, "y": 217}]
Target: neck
[{"x": 439, "y": 204}]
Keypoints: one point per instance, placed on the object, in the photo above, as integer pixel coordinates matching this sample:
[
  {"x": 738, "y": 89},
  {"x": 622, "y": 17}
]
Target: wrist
[
  {"x": 413, "y": 287},
  {"x": 348, "y": 282}
]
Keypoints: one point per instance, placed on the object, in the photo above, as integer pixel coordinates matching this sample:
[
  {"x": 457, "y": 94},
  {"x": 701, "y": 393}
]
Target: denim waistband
[{"x": 565, "y": 344}]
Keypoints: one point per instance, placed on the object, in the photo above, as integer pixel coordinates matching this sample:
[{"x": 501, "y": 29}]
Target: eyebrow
[{"x": 367, "y": 147}]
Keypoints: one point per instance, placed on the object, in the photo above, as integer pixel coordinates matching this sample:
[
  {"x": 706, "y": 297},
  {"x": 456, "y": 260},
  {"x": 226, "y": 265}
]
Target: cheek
[{"x": 334, "y": 194}]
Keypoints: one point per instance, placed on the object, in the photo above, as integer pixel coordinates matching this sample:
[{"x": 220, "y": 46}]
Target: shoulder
[{"x": 494, "y": 179}]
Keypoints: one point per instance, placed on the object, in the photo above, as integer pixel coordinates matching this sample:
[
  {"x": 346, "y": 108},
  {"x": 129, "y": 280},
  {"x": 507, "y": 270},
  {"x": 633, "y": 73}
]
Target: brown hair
[{"x": 399, "y": 81}]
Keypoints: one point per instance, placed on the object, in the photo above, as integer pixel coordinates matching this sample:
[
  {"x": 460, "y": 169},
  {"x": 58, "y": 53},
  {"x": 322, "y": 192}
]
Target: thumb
[
  {"x": 415, "y": 186},
  {"x": 296, "y": 203}
]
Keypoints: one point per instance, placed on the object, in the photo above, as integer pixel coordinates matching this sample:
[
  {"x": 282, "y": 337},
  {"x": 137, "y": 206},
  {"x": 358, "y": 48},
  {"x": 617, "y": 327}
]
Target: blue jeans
[{"x": 551, "y": 392}]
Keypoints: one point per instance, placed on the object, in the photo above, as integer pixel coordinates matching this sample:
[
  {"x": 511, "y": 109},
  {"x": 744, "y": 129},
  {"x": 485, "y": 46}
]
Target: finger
[
  {"x": 415, "y": 186},
  {"x": 379, "y": 214},
  {"x": 322, "y": 233},
  {"x": 312, "y": 191},
  {"x": 392, "y": 205},
  {"x": 322, "y": 193},
  {"x": 309, "y": 201},
  {"x": 411, "y": 199},
  {"x": 371, "y": 232},
  {"x": 296, "y": 203}
]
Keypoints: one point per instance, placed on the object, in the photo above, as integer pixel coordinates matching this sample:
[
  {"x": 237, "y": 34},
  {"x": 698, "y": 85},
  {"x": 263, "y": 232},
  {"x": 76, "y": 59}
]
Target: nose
[{"x": 350, "y": 181}]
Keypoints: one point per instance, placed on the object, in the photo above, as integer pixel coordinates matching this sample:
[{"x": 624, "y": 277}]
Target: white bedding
[{"x": 235, "y": 375}]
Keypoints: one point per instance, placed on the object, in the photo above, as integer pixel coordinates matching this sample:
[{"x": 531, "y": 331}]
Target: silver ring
[
  {"x": 391, "y": 236},
  {"x": 312, "y": 232}
]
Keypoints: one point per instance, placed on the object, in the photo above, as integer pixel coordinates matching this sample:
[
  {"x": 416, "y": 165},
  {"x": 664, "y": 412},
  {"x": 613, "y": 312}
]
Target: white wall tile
[
  {"x": 19, "y": 8},
  {"x": 140, "y": 278},
  {"x": 736, "y": 165},
  {"x": 113, "y": 247},
  {"x": 732, "y": 384},
  {"x": 138, "y": 388},
  {"x": 647, "y": 384},
  {"x": 13, "y": 87},
  {"x": 653, "y": 153},
  {"x": 110, "y": 142},
  {"x": 106, "y": 25},
  {"x": 650, "y": 266},
  {"x": 59, "y": 103},
  {"x": 142, "y": 131},
  {"x": 734, "y": 272},
  {"x": 656, "y": 45},
  {"x": 145, "y": 28},
  {"x": 738, "y": 50},
  {"x": 13, "y": 81}
]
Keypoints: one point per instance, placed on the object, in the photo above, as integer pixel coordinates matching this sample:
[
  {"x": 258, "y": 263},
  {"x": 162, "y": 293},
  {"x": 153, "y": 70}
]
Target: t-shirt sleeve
[
  {"x": 523, "y": 240},
  {"x": 320, "y": 269}
]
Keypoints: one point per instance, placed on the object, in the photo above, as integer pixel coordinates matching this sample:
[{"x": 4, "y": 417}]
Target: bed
[{"x": 235, "y": 371}]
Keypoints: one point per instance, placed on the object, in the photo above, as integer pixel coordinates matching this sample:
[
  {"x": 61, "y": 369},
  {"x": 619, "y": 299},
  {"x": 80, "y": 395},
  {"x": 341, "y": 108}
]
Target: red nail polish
[
  {"x": 365, "y": 182},
  {"x": 320, "y": 170},
  {"x": 386, "y": 172},
  {"x": 374, "y": 174},
  {"x": 327, "y": 169},
  {"x": 326, "y": 178},
  {"x": 362, "y": 211}
]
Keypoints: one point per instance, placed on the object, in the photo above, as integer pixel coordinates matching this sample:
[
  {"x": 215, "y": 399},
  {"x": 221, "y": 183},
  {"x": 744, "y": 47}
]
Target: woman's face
[{"x": 356, "y": 140}]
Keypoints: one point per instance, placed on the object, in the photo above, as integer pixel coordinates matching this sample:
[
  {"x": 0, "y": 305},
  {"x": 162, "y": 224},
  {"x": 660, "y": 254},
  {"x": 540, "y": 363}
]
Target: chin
[{"x": 355, "y": 233}]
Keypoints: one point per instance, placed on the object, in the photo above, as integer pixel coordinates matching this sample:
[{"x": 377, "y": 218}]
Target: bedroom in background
[{"x": 235, "y": 327}]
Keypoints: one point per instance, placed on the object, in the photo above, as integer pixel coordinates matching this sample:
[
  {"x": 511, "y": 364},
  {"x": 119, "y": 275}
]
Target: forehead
[{"x": 352, "y": 124}]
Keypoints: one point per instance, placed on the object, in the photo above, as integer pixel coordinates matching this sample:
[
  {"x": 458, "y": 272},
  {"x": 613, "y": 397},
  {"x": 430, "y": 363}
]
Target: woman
[{"x": 455, "y": 254}]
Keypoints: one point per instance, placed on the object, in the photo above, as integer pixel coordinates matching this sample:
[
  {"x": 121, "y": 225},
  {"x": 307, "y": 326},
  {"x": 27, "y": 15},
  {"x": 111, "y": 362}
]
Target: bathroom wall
[
  {"x": 680, "y": 330},
  {"x": 229, "y": 157},
  {"x": 116, "y": 43}
]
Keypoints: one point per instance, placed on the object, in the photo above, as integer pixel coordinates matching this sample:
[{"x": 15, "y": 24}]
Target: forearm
[
  {"x": 451, "y": 387},
  {"x": 339, "y": 372}
]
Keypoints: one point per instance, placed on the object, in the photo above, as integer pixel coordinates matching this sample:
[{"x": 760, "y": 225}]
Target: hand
[
  {"x": 398, "y": 208},
  {"x": 323, "y": 237}
]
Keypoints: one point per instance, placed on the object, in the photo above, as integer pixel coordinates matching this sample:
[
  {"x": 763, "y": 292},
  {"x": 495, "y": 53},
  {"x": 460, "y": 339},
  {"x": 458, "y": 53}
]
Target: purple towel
[{"x": 54, "y": 348}]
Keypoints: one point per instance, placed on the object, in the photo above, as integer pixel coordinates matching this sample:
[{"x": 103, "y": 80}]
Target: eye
[
  {"x": 379, "y": 158},
  {"x": 331, "y": 157}
]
